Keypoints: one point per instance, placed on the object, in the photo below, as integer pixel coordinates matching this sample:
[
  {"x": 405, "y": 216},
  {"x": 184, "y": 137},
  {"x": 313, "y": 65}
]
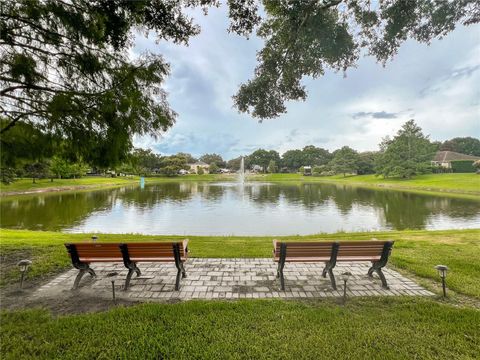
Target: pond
[{"x": 203, "y": 208}]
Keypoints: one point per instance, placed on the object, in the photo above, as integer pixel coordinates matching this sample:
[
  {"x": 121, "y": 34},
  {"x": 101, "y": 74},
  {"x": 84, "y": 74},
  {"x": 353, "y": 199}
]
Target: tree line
[
  {"x": 27, "y": 152},
  {"x": 66, "y": 69}
]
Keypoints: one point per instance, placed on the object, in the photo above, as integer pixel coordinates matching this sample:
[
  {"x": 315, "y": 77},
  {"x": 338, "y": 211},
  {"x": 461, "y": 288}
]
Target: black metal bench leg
[
  {"x": 177, "y": 281},
  {"x": 282, "y": 280},
  {"x": 325, "y": 269},
  {"x": 379, "y": 271},
  {"x": 332, "y": 279},
  {"x": 78, "y": 278},
  {"x": 378, "y": 265},
  {"x": 129, "y": 277},
  {"x": 184, "y": 273},
  {"x": 370, "y": 271},
  {"x": 91, "y": 272},
  {"x": 281, "y": 264},
  {"x": 137, "y": 270},
  {"x": 80, "y": 275},
  {"x": 382, "y": 277}
]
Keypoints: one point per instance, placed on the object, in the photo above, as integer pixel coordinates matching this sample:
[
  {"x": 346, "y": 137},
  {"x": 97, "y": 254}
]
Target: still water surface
[{"x": 201, "y": 208}]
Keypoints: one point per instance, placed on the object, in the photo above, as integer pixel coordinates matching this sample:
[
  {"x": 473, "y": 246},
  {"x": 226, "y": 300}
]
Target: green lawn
[
  {"x": 467, "y": 184},
  {"x": 455, "y": 183},
  {"x": 28, "y": 185},
  {"x": 22, "y": 185},
  {"x": 376, "y": 328},
  {"x": 415, "y": 251},
  {"x": 365, "y": 328}
]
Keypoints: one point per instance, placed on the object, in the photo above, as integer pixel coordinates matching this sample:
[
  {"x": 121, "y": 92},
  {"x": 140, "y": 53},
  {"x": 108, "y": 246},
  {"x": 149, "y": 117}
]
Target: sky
[{"x": 437, "y": 85}]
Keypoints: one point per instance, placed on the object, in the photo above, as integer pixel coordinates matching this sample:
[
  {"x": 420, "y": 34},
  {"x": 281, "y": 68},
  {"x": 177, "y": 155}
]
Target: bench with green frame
[
  {"x": 375, "y": 251},
  {"x": 83, "y": 254}
]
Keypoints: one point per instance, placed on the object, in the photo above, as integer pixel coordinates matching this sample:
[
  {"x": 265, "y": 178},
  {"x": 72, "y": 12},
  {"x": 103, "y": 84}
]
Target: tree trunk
[{"x": 33, "y": 179}]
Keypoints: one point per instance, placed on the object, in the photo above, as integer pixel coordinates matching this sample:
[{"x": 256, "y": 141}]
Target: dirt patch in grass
[{"x": 14, "y": 298}]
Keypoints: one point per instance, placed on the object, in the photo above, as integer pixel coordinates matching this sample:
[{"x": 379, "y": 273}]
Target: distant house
[
  {"x": 199, "y": 164},
  {"x": 257, "y": 168},
  {"x": 444, "y": 158},
  {"x": 307, "y": 170}
]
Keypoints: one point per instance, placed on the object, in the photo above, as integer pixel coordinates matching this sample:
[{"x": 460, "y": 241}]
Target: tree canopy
[
  {"x": 409, "y": 153},
  {"x": 65, "y": 68},
  {"x": 213, "y": 158},
  {"x": 462, "y": 145},
  {"x": 305, "y": 38},
  {"x": 345, "y": 161}
]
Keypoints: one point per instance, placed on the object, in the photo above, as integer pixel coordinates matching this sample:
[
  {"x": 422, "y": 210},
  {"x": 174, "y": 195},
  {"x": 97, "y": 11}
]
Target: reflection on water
[{"x": 230, "y": 209}]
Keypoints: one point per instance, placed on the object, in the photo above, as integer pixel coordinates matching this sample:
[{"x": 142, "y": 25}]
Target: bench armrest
[
  {"x": 275, "y": 242},
  {"x": 185, "y": 247}
]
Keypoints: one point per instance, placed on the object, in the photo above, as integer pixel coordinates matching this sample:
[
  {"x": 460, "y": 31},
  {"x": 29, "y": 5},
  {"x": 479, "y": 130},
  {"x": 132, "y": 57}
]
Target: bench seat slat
[
  {"x": 155, "y": 259},
  {"x": 101, "y": 259}
]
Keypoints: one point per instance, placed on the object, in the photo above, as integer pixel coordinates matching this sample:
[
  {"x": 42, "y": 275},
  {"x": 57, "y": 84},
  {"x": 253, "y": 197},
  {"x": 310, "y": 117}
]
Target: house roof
[
  {"x": 199, "y": 163},
  {"x": 446, "y": 156}
]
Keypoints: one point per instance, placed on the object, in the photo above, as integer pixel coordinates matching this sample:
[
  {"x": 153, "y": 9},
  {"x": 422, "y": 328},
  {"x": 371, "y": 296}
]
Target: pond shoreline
[{"x": 352, "y": 181}]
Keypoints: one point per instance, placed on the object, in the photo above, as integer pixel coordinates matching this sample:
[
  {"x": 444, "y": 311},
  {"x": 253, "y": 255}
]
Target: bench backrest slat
[
  {"x": 347, "y": 249},
  {"x": 152, "y": 250},
  {"x": 98, "y": 250},
  {"x": 112, "y": 251},
  {"x": 306, "y": 249}
]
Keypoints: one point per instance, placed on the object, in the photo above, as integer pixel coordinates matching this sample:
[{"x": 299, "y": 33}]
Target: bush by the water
[{"x": 462, "y": 166}]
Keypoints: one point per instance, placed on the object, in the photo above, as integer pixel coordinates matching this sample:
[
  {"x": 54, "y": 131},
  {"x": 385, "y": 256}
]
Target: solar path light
[
  {"x": 442, "y": 271},
  {"x": 345, "y": 276},
  {"x": 23, "y": 265}
]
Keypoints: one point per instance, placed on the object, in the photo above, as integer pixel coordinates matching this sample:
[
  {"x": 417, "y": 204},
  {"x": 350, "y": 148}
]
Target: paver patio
[{"x": 233, "y": 279}]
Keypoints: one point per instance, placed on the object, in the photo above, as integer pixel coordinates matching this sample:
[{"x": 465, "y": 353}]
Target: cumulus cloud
[
  {"x": 437, "y": 85},
  {"x": 375, "y": 115}
]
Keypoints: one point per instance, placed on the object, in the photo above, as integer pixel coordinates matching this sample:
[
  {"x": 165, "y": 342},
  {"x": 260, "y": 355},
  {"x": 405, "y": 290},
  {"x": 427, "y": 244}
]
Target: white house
[
  {"x": 444, "y": 158},
  {"x": 199, "y": 165}
]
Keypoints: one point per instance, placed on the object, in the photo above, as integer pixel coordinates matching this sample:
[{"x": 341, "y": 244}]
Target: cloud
[
  {"x": 437, "y": 85},
  {"x": 375, "y": 115}
]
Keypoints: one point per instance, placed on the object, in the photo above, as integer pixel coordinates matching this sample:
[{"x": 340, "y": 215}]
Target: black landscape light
[
  {"x": 442, "y": 271},
  {"x": 112, "y": 275},
  {"x": 94, "y": 238},
  {"x": 23, "y": 265},
  {"x": 345, "y": 276}
]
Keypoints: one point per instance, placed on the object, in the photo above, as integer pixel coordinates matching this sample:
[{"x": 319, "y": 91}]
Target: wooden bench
[
  {"x": 83, "y": 254},
  {"x": 377, "y": 252},
  {"x": 154, "y": 252}
]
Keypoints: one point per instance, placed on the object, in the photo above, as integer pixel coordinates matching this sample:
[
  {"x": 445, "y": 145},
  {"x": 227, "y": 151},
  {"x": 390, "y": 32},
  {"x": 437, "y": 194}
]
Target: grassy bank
[
  {"x": 415, "y": 251},
  {"x": 466, "y": 184},
  {"x": 379, "y": 328},
  {"x": 449, "y": 183},
  {"x": 26, "y": 185},
  {"x": 44, "y": 185}
]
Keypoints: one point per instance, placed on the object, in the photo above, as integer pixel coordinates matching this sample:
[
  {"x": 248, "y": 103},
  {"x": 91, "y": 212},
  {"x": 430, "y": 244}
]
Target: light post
[
  {"x": 23, "y": 265},
  {"x": 345, "y": 276},
  {"x": 112, "y": 275},
  {"x": 442, "y": 271}
]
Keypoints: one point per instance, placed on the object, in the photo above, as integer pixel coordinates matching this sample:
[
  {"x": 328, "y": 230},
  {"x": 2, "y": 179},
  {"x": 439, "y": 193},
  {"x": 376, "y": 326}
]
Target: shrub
[
  {"x": 462, "y": 166},
  {"x": 200, "y": 171},
  {"x": 213, "y": 169},
  {"x": 7, "y": 175}
]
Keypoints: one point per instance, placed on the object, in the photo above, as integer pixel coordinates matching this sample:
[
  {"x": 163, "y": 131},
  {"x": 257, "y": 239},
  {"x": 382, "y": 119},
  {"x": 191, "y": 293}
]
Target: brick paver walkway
[{"x": 234, "y": 279}]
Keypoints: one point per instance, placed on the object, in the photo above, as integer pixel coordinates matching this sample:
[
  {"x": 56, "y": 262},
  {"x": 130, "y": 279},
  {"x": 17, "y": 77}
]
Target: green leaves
[
  {"x": 70, "y": 72},
  {"x": 409, "y": 153},
  {"x": 305, "y": 38},
  {"x": 345, "y": 161}
]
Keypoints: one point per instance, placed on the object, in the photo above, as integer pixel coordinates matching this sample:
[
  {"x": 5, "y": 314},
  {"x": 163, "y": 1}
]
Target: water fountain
[{"x": 241, "y": 172}]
